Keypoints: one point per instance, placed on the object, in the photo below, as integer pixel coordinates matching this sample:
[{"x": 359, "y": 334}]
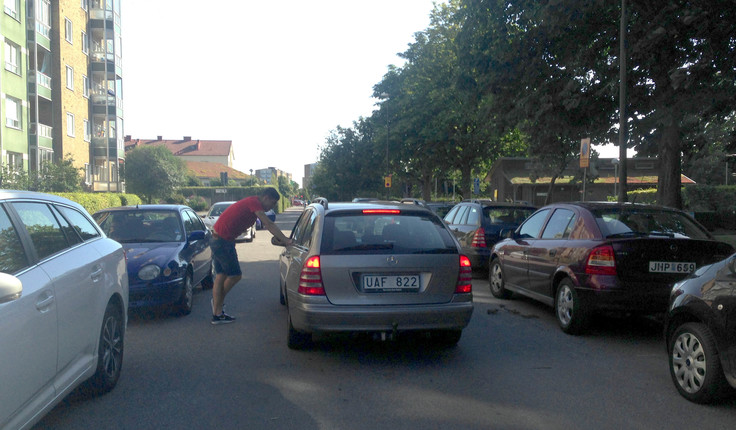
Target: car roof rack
[{"x": 322, "y": 201}]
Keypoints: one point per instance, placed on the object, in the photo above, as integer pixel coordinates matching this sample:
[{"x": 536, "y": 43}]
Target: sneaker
[{"x": 223, "y": 318}]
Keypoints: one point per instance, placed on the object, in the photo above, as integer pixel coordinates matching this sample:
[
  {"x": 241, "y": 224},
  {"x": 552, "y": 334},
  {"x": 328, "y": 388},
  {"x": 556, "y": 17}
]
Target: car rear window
[
  {"x": 506, "y": 215},
  {"x": 402, "y": 233},
  {"x": 624, "y": 222}
]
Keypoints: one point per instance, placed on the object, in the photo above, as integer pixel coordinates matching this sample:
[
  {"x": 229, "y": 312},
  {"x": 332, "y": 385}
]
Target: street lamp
[{"x": 615, "y": 176}]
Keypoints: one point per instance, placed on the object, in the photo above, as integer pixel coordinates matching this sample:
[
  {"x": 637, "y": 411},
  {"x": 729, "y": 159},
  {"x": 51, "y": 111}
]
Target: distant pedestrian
[{"x": 231, "y": 223}]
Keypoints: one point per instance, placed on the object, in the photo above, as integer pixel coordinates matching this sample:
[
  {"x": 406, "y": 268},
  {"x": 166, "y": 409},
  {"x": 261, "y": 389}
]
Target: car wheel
[
  {"x": 209, "y": 280},
  {"x": 446, "y": 338},
  {"x": 695, "y": 366},
  {"x": 569, "y": 309},
  {"x": 184, "y": 306},
  {"x": 495, "y": 279},
  {"x": 297, "y": 339},
  {"x": 109, "y": 352}
]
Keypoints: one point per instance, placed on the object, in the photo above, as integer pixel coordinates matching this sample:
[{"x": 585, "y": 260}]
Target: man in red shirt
[{"x": 230, "y": 224}]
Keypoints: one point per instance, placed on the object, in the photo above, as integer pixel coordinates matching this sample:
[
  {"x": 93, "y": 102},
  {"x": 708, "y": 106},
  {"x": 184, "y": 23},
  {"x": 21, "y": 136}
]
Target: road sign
[
  {"x": 585, "y": 152},
  {"x": 387, "y": 181}
]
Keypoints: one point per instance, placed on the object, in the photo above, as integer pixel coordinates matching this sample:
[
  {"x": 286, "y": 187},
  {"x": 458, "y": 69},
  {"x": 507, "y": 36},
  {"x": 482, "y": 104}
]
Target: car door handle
[
  {"x": 44, "y": 304},
  {"x": 97, "y": 274},
  {"x": 552, "y": 252}
]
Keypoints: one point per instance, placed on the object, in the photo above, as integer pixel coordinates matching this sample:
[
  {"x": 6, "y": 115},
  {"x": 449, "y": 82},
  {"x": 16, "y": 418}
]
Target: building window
[
  {"x": 85, "y": 43},
  {"x": 85, "y": 5},
  {"x": 70, "y": 78},
  {"x": 70, "y": 124},
  {"x": 11, "y": 8},
  {"x": 87, "y": 131},
  {"x": 15, "y": 160},
  {"x": 85, "y": 86},
  {"x": 12, "y": 57},
  {"x": 45, "y": 157},
  {"x": 13, "y": 113},
  {"x": 68, "y": 31}
]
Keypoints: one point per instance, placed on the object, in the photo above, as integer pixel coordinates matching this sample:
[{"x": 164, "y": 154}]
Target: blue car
[{"x": 168, "y": 252}]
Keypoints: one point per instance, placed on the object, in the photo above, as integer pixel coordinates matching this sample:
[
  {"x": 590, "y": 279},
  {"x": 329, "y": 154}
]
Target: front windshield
[
  {"x": 217, "y": 210},
  {"x": 625, "y": 222},
  {"x": 141, "y": 226}
]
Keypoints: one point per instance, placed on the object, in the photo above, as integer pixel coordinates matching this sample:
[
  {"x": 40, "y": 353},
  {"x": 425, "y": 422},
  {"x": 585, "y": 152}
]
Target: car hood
[{"x": 141, "y": 254}]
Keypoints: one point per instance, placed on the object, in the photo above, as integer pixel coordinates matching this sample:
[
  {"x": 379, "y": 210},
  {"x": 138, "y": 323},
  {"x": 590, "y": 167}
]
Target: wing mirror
[
  {"x": 196, "y": 235},
  {"x": 10, "y": 288}
]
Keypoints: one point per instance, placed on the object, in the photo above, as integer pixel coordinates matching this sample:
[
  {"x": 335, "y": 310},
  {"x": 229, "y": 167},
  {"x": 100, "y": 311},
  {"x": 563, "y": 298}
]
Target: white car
[
  {"x": 216, "y": 210},
  {"x": 63, "y": 305}
]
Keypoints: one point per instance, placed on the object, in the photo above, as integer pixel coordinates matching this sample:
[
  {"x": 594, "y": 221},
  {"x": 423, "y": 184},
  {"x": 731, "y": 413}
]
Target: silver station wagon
[
  {"x": 63, "y": 305},
  {"x": 374, "y": 267}
]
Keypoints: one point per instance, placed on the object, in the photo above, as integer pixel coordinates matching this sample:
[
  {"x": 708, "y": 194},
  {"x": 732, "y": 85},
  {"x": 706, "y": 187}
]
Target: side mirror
[
  {"x": 10, "y": 288},
  {"x": 196, "y": 235},
  {"x": 731, "y": 265}
]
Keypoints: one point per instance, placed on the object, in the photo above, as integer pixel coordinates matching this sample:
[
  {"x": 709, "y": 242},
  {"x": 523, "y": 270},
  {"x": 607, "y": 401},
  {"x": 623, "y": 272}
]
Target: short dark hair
[{"x": 271, "y": 192}]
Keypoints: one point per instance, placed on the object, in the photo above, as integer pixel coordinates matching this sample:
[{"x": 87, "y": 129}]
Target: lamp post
[
  {"x": 615, "y": 175},
  {"x": 385, "y": 96}
]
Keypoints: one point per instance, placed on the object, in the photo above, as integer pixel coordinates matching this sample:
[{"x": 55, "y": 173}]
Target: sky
[{"x": 275, "y": 77}]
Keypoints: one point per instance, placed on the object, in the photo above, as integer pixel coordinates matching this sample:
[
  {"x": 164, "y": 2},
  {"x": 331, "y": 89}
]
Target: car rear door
[
  {"x": 28, "y": 329},
  {"x": 544, "y": 253}
]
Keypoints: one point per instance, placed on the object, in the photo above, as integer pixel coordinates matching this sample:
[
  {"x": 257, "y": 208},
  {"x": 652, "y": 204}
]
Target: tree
[
  {"x": 153, "y": 172},
  {"x": 61, "y": 177}
]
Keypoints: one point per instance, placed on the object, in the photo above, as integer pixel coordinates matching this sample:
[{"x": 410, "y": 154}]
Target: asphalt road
[{"x": 512, "y": 369}]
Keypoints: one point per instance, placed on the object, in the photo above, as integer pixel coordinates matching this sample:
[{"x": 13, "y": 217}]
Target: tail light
[
  {"x": 310, "y": 280},
  {"x": 601, "y": 261},
  {"x": 464, "y": 276},
  {"x": 479, "y": 239}
]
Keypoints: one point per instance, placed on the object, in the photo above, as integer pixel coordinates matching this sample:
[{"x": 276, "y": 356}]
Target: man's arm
[{"x": 271, "y": 227}]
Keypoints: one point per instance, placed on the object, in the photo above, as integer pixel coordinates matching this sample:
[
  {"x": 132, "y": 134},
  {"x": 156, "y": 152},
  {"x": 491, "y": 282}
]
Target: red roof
[
  {"x": 185, "y": 147},
  {"x": 206, "y": 169}
]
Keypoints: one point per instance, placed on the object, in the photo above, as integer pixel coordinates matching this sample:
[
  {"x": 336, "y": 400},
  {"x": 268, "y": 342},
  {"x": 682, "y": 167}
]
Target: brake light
[
  {"x": 381, "y": 211},
  {"x": 601, "y": 261},
  {"x": 310, "y": 280},
  {"x": 479, "y": 239},
  {"x": 464, "y": 277}
]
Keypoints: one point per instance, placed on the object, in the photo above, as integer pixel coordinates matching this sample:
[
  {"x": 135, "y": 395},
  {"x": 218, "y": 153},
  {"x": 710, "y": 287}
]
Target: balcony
[
  {"x": 43, "y": 134},
  {"x": 40, "y": 84}
]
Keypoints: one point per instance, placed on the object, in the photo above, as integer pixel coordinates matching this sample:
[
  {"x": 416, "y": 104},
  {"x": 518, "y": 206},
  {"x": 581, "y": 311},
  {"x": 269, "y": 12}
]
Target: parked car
[
  {"x": 63, "y": 305},
  {"x": 700, "y": 332},
  {"x": 214, "y": 213},
  {"x": 478, "y": 224},
  {"x": 441, "y": 208},
  {"x": 587, "y": 257},
  {"x": 374, "y": 268},
  {"x": 168, "y": 249}
]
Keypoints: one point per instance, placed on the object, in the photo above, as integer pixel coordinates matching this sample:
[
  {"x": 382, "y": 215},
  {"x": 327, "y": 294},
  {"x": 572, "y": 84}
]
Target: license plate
[
  {"x": 390, "y": 282},
  {"x": 671, "y": 267}
]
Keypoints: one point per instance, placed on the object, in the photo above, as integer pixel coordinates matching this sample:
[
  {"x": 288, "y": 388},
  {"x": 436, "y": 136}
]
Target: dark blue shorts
[{"x": 225, "y": 257}]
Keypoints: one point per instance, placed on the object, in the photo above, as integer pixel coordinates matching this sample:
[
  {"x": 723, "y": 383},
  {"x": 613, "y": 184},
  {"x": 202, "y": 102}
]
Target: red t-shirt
[{"x": 237, "y": 217}]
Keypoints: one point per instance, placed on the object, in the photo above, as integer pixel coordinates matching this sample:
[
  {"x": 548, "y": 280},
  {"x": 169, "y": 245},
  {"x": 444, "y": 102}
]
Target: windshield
[
  {"x": 217, "y": 210},
  {"x": 623, "y": 222},
  {"x": 507, "y": 215},
  {"x": 386, "y": 234},
  {"x": 141, "y": 226}
]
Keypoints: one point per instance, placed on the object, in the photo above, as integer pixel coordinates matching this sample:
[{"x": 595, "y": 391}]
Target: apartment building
[{"x": 70, "y": 66}]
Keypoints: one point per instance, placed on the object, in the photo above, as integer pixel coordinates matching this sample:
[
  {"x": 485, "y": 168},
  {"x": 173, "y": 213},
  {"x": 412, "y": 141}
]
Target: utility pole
[{"x": 622, "y": 126}]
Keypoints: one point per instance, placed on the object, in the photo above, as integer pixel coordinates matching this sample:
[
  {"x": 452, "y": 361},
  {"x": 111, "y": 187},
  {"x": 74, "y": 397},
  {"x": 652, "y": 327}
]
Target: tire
[
  {"x": 184, "y": 305},
  {"x": 446, "y": 338},
  {"x": 209, "y": 281},
  {"x": 109, "y": 353},
  {"x": 496, "y": 282},
  {"x": 297, "y": 340},
  {"x": 695, "y": 364},
  {"x": 571, "y": 313}
]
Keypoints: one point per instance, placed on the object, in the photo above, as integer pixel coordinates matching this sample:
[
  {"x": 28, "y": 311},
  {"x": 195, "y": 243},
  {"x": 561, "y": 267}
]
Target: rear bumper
[
  {"x": 604, "y": 293},
  {"x": 316, "y": 314},
  {"x": 479, "y": 257}
]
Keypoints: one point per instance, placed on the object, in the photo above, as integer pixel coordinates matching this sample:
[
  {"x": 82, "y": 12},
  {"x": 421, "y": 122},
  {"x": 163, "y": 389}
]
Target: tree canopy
[{"x": 153, "y": 172}]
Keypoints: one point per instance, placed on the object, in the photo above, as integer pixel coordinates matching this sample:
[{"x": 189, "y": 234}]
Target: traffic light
[{"x": 387, "y": 181}]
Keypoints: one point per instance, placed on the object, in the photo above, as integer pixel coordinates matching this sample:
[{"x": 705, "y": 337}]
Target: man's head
[{"x": 269, "y": 197}]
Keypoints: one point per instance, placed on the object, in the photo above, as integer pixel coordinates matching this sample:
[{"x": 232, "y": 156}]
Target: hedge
[{"x": 94, "y": 202}]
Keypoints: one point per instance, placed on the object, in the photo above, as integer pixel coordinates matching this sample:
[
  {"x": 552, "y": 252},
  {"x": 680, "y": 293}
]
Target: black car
[
  {"x": 700, "y": 332},
  {"x": 478, "y": 224}
]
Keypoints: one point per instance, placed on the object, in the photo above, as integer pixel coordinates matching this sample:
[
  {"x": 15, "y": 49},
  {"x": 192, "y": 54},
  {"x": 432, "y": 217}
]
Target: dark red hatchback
[{"x": 585, "y": 257}]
